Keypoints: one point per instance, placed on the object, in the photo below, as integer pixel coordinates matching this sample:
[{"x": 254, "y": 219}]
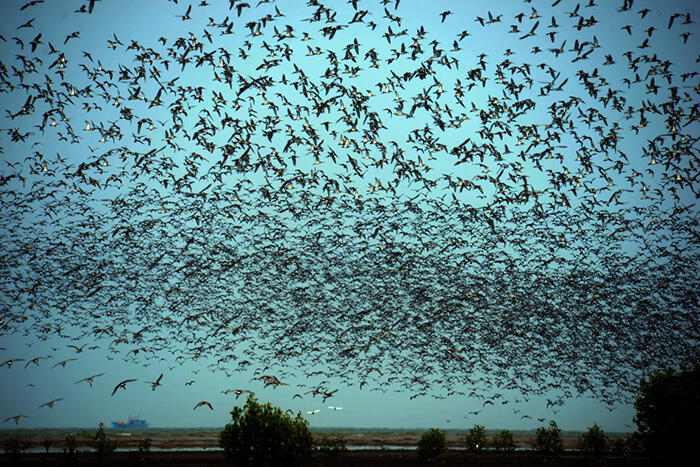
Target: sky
[{"x": 158, "y": 24}]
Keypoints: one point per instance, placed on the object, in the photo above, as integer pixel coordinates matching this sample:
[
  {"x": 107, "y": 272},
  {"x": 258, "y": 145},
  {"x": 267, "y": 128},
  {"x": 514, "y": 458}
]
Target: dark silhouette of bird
[
  {"x": 122, "y": 385},
  {"x": 50, "y": 403},
  {"x": 156, "y": 383},
  {"x": 89, "y": 379},
  {"x": 16, "y": 418},
  {"x": 200, "y": 404}
]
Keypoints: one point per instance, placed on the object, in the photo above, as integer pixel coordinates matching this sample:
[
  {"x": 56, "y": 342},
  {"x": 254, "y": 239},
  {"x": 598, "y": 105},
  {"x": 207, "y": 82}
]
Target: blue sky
[{"x": 90, "y": 59}]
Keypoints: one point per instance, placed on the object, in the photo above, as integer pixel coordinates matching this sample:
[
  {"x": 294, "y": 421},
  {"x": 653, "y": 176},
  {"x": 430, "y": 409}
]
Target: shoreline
[
  {"x": 208, "y": 440},
  {"x": 364, "y": 448},
  {"x": 364, "y": 457}
]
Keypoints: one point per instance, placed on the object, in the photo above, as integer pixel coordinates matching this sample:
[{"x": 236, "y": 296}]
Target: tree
[
  {"x": 503, "y": 441},
  {"x": 102, "y": 445},
  {"x": 265, "y": 435},
  {"x": 331, "y": 446},
  {"x": 431, "y": 444},
  {"x": 548, "y": 440},
  {"x": 593, "y": 442},
  {"x": 668, "y": 407},
  {"x": 476, "y": 438}
]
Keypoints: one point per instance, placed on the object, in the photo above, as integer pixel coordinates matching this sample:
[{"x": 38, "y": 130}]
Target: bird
[
  {"x": 63, "y": 363},
  {"x": 10, "y": 362},
  {"x": 90, "y": 379},
  {"x": 199, "y": 404},
  {"x": 238, "y": 392},
  {"x": 70, "y": 36},
  {"x": 50, "y": 403},
  {"x": 27, "y": 5},
  {"x": 36, "y": 42},
  {"x": 35, "y": 361},
  {"x": 156, "y": 383},
  {"x": 28, "y": 24},
  {"x": 122, "y": 385},
  {"x": 186, "y": 16},
  {"x": 531, "y": 32},
  {"x": 16, "y": 418}
]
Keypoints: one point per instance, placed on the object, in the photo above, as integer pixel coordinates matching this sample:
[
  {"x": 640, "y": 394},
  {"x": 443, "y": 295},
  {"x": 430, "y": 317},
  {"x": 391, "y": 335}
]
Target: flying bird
[
  {"x": 122, "y": 385},
  {"x": 89, "y": 379},
  {"x": 10, "y": 362},
  {"x": 199, "y": 404},
  {"x": 16, "y": 418},
  {"x": 29, "y": 4},
  {"x": 156, "y": 383},
  {"x": 64, "y": 362},
  {"x": 50, "y": 403}
]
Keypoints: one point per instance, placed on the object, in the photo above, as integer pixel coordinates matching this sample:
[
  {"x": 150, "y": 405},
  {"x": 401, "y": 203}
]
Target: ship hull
[{"x": 133, "y": 423}]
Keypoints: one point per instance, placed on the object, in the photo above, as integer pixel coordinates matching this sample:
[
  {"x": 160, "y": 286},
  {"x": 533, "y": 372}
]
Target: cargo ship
[{"x": 132, "y": 423}]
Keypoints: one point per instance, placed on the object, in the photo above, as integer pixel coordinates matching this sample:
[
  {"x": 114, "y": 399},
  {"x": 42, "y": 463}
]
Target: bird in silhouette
[{"x": 122, "y": 385}]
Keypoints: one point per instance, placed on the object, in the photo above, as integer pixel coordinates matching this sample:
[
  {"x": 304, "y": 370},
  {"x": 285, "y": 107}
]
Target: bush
[
  {"x": 668, "y": 408},
  {"x": 145, "y": 446},
  {"x": 70, "y": 451},
  {"x": 143, "y": 455},
  {"x": 630, "y": 444},
  {"x": 15, "y": 448},
  {"x": 548, "y": 440},
  {"x": 331, "y": 446},
  {"x": 265, "y": 435},
  {"x": 503, "y": 441},
  {"x": 476, "y": 438},
  {"x": 100, "y": 443},
  {"x": 633, "y": 443},
  {"x": 619, "y": 446},
  {"x": 593, "y": 442},
  {"x": 431, "y": 444},
  {"x": 47, "y": 444},
  {"x": 69, "y": 444}
]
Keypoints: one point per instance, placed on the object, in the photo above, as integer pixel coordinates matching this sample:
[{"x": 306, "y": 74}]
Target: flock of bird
[{"x": 353, "y": 201}]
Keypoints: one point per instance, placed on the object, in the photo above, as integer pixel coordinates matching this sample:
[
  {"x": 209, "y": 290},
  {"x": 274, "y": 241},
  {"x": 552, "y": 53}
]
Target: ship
[{"x": 133, "y": 422}]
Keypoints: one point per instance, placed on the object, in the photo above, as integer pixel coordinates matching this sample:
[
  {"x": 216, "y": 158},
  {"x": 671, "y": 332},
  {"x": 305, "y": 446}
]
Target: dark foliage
[
  {"x": 476, "y": 438},
  {"x": 548, "y": 440},
  {"x": 102, "y": 445},
  {"x": 15, "y": 448},
  {"x": 593, "y": 442},
  {"x": 331, "y": 446},
  {"x": 70, "y": 451},
  {"x": 46, "y": 442},
  {"x": 265, "y": 435},
  {"x": 668, "y": 407},
  {"x": 503, "y": 441},
  {"x": 431, "y": 444}
]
